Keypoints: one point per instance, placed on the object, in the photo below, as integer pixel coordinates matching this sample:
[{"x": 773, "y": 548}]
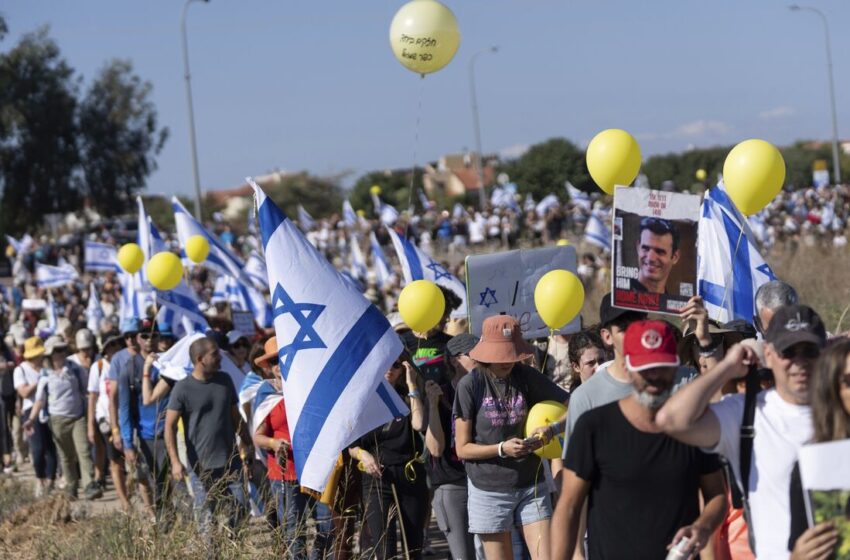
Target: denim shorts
[{"x": 499, "y": 511}]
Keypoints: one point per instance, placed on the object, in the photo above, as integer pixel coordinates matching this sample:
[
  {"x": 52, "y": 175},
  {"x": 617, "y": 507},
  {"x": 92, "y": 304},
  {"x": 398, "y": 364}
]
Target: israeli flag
[
  {"x": 349, "y": 216},
  {"x": 242, "y": 298},
  {"x": 529, "y": 203},
  {"x": 176, "y": 364},
  {"x": 266, "y": 398},
  {"x": 389, "y": 215},
  {"x": 47, "y": 276},
  {"x": 21, "y": 247},
  {"x": 416, "y": 265},
  {"x": 100, "y": 257},
  {"x": 52, "y": 313},
  {"x": 729, "y": 266},
  {"x": 255, "y": 269},
  {"x": 335, "y": 348},
  {"x": 94, "y": 311},
  {"x": 579, "y": 198},
  {"x": 358, "y": 268},
  {"x": 133, "y": 297},
  {"x": 305, "y": 220},
  {"x": 596, "y": 232},
  {"x": 423, "y": 200},
  {"x": 248, "y": 390},
  {"x": 383, "y": 271},
  {"x": 549, "y": 201},
  {"x": 503, "y": 198},
  {"x": 458, "y": 211}
]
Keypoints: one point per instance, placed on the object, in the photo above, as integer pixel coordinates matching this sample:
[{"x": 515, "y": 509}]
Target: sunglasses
[
  {"x": 273, "y": 361},
  {"x": 147, "y": 336},
  {"x": 806, "y": 351},
  {"x": 241, "y": 344}
]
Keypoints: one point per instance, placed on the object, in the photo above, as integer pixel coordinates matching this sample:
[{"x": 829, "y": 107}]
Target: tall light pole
[
  {"x": 188, "y": 78},
  {"x": 482, "y": 196},
  {"x": 836, "y": 166}
]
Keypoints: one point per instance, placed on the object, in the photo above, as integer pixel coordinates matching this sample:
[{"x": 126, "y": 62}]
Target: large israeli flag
[
  {"x": 334, "y": 349},
  {"x": 255, "y": 268},
  {"x": 596, "y": 232},
  {"x": 729, "y": 266},
  {"x": 383, "y": 271},
  {"x": 416, "y": 265},
  {"x": 47, "y": 276},
  {"x": 100, "y": 257},
  {"x": 176, "y": 364}
]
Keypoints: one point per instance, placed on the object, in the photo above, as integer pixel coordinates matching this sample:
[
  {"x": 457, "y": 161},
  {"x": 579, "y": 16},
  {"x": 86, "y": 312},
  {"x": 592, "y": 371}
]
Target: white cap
[{"x": 84, "y": 339}]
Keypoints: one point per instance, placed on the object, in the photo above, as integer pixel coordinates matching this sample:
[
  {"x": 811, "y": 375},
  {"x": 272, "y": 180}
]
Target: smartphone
[{"x": 533, "y": 442}]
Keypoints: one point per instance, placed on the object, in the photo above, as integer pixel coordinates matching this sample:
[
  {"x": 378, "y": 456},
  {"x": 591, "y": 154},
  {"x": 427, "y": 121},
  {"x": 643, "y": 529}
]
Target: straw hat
[
  {"x": 501, "y": 342},
  {"x": 33, "y": 348},
  {"x": 270, "y": 348}
]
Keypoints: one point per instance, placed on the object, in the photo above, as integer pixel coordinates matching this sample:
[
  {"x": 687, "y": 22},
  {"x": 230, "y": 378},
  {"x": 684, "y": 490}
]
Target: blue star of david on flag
[
  {"x": 305, "y": 314},
  {"x": 438, "y": 270},
  {"x": 488, "y": 298}
]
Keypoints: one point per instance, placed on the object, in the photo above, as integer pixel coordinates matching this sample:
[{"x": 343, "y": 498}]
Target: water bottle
[{"x": 680, "y": 551}]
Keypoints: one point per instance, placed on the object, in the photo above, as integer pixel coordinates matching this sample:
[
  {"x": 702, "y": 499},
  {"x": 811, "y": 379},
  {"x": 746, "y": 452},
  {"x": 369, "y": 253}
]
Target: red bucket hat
[
  {"x": 501, "y": 342},
  {"x": 650, "y": 344}
]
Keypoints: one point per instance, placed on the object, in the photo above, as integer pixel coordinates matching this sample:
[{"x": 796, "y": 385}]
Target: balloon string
[
  {"x": 734, "y": 255},
  {"x": 415, "y": 150},
  {"x": 546, "y": 355}
]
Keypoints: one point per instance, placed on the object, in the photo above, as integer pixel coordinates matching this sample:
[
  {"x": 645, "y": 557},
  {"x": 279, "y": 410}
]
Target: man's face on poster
[{"x": 656, "y": 258}]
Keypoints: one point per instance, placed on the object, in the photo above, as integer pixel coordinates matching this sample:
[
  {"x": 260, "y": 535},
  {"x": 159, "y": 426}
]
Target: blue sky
[{"x": 313, "y": 85}]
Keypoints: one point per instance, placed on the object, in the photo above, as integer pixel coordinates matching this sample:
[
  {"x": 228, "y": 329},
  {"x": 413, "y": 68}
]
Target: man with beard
[
  {"x": 658, "y": 253},
  {"x": 642, "y": 485}
]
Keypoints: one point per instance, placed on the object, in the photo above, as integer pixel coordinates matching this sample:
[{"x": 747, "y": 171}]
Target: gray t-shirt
[
  {"x": 498, "y": 410},
  {"x": 205, "y": 407},
  {"x": 602, "y": 389},
  {"x": 64, "y": 392}
]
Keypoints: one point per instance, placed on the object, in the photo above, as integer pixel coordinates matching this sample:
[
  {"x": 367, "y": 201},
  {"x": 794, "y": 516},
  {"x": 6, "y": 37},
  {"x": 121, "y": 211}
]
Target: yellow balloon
[
  {"x": 562, "y": 243},
  {"x": 361, "y": 213},
  {"x": 701, "y": 175},
  {"x": 375, "y": 189},
  {"x": 424, "y": 36},
  {"x": 164, "y": 271},
  {"x": 558, "y": 297},
  {"x": 543, "y": 414},
  {"x": 197, "y": 248},
  {"x": 131, "y": 258},
  {"x": 753, "y": 173},
  {"x": 421, "y": 304},
  {"x": 613, "y": 158}
]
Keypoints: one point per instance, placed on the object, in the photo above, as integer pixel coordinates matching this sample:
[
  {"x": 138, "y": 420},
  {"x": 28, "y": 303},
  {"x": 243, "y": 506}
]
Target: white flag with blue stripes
[
  {"x": 383, "y": 271},
  {"x": 305, "y": 220},
  {"x": 52, "y": 313},
  {"x": 416, "y": 265},
  {"x": 578, "y": 197},
  {"x": 255, "y": 268},
  {"x": 334, "y": 349},
  {"x": 100, "y": 257},
  {"x": 389, "y": 215},
  {"x": 21, "y": 246},
  {"x": 729, "y": 266},
  {"x": 47, "y": 276},
  {"x": 176, "y": 364},
  {"x": 242, "y": 298},
  {"x": 358, "y": 269},
  {"x": 349, "y": 216},
  {"x": 596, "y": 232},
  {"x": 94, "y": 311},
  {"x": 549, "y": 201}
]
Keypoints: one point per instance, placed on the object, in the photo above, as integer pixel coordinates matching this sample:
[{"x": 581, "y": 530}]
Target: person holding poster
[{"x": 654, "y": 251}]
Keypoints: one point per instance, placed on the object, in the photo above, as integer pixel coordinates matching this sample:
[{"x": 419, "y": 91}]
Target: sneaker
[
  {"x": 93, "y": 491},
  {"x": 39, "y": 489}
]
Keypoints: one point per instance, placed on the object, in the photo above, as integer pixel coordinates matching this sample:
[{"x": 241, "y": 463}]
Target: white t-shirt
[
  {"x": 98, "y": 379},
  {"x": 25, "y": 374},
  {"x": 781, "y": 428}
]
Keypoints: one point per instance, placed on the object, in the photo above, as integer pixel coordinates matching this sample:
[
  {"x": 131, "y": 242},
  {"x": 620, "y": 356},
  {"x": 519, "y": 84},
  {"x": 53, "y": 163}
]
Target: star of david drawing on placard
[
  {"x": 305, "y": 314},
  {"x": 438, "y": 270},
  {"x": 488, "y": 298}
]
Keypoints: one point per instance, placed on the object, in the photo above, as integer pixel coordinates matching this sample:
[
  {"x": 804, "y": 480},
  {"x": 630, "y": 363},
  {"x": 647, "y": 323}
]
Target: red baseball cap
[{"x": 650, "y": 344}]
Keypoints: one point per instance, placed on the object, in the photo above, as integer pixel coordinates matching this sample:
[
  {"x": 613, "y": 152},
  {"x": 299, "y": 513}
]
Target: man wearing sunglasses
[
  {"x": 658, "y": 253},
  {"x": 782, "y": 422}
]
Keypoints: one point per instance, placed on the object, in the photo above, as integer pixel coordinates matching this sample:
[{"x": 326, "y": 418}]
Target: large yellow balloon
[
  {"x": 421, "y": 304},
  {"x": 164, "y": 271},
  {"x": 543, "y": 414},
  {"x": 613, "y": 158},
  {"x": 701, "y": 175},
  {"x": 424, "y": 36},
  {"x": 753, "y": 173},
  {"x": 558, "y": 297},
  {"x": 197, "y": 248},
  {"x": 131, "y": 258}
]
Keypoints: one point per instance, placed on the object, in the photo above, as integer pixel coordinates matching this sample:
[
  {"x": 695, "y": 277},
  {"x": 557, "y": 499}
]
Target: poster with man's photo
[{"x": 654, "y": 258}]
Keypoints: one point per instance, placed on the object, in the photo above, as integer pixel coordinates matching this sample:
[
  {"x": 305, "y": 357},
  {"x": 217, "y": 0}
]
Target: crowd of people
[{"x": 678, "y": 434}]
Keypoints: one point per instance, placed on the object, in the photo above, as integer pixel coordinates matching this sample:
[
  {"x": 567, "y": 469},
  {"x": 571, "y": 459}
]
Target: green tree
[
  {"x": 320, "y": 197},
  {"x": 118, "y": 137},
  {"x": 38, "y": 148},
  {"x": 546, "y": 167},
  {"x": 395, "y": 189}
]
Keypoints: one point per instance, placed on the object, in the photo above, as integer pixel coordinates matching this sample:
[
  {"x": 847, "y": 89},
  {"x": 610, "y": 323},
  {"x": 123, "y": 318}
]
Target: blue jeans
[
  {"x": 218, "y": 490},
  {"x": 293, "y": 510}
]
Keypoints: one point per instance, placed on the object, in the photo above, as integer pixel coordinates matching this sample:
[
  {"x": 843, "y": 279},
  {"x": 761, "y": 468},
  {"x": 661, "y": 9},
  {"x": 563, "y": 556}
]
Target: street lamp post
[
  {"x": 835, "y": 158},
  {"x": 188, "y": 78},
  {"x": 479, "y": 167}
]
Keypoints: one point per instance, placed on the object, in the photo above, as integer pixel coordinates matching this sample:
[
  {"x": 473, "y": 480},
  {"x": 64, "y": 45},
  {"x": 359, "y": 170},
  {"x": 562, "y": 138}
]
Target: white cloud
[
  {"x": 777, "y": 113},
  {"x": 692, "y": 130},
  {"x": 514, "y": 151}
]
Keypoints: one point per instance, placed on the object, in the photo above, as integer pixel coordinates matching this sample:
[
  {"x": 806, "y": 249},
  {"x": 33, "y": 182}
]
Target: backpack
[{"x": 740, "y": 496}]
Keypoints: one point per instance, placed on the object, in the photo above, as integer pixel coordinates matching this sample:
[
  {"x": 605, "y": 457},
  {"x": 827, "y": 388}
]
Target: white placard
[
  {"x": 504, "y": 283},
  {"x": 243, "y": 321}
]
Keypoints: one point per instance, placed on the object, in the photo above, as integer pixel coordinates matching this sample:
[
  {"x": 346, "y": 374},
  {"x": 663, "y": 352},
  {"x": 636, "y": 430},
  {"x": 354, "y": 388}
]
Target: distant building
[
  {"x": 455, "y": 174},
  {"x": 235, "y": 202}
]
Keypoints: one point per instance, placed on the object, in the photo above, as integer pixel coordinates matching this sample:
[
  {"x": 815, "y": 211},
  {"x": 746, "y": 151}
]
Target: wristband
[
  {"x": 708, "y": 351},
  {"x": 501, "y": 455},
  {"x": 413, "y": 394}
]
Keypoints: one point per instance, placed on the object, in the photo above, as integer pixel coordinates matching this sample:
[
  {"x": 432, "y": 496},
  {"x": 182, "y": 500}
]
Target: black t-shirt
[
  {"x": 446, "y": 469},
  {"x": 498, "y": 409},
  {"x": 394, "y": 443},
  {"x": 643, "y": 486},
  {"x": 429, "y": 355}
]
